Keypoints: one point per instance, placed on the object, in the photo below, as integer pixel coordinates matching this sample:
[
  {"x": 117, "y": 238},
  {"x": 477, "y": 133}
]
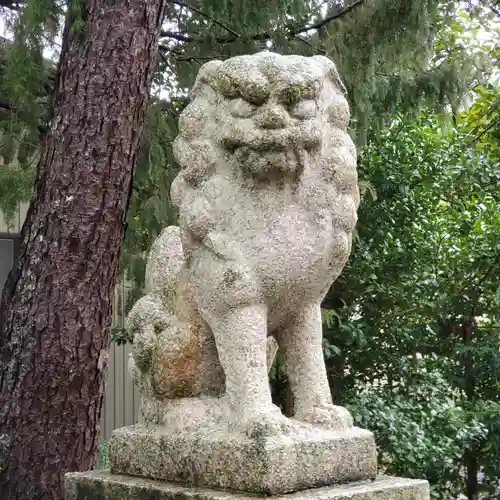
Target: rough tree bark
[{"x": 56, "y": 308}]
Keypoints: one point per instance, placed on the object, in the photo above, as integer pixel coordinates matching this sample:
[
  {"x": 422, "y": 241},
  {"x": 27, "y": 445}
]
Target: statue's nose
[{"x": 272, "y": 116}]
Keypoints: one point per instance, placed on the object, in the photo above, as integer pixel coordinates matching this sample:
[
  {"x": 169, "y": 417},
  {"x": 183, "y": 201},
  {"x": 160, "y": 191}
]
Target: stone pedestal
[
  {"x": 98, "y": 485},
  {"x": 308, "y": 458}
]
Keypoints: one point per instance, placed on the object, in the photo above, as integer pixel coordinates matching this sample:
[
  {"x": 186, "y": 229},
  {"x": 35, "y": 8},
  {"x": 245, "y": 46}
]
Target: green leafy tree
[
  {"x": 420, "y": 428},
  {"x": 421, "y": 293}
]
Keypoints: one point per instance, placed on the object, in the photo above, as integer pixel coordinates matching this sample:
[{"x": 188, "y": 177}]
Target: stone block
[
  {"x": 310, "y": 457},
  {"x": 101, "y": 485}
]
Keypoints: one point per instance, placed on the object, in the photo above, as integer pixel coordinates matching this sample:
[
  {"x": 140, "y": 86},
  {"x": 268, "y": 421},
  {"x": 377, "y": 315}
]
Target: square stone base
[
  {"x": 309, "y": 458},
  {"x": 98, "y": 485}
]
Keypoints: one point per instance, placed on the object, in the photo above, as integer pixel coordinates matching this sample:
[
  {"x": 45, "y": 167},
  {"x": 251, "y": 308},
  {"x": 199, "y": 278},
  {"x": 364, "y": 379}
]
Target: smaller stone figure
[{"x": 174, "y": 354}]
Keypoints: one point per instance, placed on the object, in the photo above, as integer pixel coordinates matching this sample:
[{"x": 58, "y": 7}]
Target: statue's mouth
[
  {"x": 272, "y": 143},
  {"x": 270, "y": 163},
  {"x": 272, "y": 154}
]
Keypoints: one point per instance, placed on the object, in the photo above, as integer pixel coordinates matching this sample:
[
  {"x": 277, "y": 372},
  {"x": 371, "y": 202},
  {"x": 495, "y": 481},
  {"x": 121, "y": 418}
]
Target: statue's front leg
[
  {"x": 301, "y": 347},
  {"x": 241, "y": 340},
  {"x": 231, "y": 302}
]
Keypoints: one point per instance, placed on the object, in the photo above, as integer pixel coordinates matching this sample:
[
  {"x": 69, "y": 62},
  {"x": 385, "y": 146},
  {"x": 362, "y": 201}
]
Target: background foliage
[{"x": 417, "y": 328}]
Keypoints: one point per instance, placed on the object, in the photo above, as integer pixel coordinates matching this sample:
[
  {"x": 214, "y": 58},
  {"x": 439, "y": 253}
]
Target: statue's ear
[
  {"x": 204, "y": 76},
  {"x": 332, "y": 73}
]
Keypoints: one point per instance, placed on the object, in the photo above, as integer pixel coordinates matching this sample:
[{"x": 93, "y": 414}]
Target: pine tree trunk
[{"x": 56, "y": 308}]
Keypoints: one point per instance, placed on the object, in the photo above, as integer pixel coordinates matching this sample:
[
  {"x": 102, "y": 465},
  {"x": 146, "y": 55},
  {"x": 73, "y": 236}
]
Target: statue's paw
[
  {"x": 266, "y": 424},
  {"x": 333, "y": 417}
]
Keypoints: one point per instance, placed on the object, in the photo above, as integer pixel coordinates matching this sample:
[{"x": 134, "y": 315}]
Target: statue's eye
[
  {"x": 241, "y": 108},
  {"x": 304, "y": 109}
]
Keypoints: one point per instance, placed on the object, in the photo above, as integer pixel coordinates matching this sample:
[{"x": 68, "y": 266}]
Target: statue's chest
[
  {"x": 287, "y": 242},
  {"x": 281, "y": 218}
]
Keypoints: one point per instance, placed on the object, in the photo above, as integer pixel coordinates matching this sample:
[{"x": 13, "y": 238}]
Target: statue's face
[
  {"x": 273, "y": 133},
  {"x": 272, "y": 112}
]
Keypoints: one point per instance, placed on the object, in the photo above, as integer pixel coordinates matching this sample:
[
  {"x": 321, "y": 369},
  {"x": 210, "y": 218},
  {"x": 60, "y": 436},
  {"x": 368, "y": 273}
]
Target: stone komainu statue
[{"x": 267, "y": 197}]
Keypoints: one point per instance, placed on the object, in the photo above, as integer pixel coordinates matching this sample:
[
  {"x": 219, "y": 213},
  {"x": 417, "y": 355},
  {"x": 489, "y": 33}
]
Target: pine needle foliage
[
  {"x": 15, "y": 184},
  {"x": 24, "y": 69},
  {"x": 383, "y": 52},
  {"x": 150, "y": 207},
  {"x": 25, "y": 88},
  {"x": 384, "y": 48}
]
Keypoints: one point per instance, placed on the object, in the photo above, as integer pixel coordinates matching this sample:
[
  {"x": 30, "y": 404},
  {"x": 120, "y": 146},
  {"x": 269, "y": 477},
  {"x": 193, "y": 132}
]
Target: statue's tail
[{"x": 165, "y": 262}]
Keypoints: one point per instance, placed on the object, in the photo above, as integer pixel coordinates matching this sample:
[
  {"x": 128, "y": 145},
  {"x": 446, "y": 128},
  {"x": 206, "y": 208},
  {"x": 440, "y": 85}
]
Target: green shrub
[
  {"x": 421, "y": 429},
  {"x": 103, "y": 455}
]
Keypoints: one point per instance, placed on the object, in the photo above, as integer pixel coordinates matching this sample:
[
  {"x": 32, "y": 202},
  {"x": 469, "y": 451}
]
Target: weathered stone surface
[
  {"x": 213, "y": 457},
  {"x": 105, "y": 486}
]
